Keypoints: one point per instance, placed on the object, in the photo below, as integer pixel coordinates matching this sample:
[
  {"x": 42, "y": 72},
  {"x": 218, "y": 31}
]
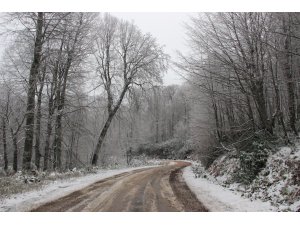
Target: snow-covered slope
[
  {"x": 219, "y": 199},
  {"x": 279, "y": 181},
  {"x": 277, "y": 184}
]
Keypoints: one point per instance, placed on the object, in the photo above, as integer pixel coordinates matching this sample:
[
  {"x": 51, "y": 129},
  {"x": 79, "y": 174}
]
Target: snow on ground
[
  {"x": 29, "y": 200},
  {"x": 278, "y": 183},
  {"x": 279, "y": 180},
  {"x": 218, "y": 199}
]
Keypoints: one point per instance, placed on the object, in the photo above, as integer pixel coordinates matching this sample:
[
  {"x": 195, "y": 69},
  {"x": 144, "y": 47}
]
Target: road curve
[{"x": 158, "y": 189}]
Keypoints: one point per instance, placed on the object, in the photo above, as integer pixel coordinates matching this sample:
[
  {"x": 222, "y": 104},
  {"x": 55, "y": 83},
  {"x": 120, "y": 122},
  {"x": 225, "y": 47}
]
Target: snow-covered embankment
[{"x": 218, "y": 199}]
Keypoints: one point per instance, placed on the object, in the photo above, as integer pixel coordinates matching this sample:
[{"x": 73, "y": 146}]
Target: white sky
[{"x": 169, "y": 30}]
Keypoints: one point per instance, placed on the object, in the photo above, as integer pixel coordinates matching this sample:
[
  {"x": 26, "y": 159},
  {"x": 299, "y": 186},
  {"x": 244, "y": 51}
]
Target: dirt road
[{"x": 159, "y": 189}]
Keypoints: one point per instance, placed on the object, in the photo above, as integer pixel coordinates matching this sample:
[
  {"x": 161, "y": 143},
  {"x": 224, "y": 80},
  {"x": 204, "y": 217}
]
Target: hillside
[{"x": 278, "y": 183}]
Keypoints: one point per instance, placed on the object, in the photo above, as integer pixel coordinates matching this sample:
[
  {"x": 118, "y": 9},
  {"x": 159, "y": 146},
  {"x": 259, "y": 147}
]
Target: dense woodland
[
  {"x": 246, "y": 66},
  {"x": 79, "y": 88},
  {"x": 73, "y": 88}
]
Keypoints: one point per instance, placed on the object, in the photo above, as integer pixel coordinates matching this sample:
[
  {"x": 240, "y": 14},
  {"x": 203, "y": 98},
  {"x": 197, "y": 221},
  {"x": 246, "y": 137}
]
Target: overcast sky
[{"x": 169, "y": 30}]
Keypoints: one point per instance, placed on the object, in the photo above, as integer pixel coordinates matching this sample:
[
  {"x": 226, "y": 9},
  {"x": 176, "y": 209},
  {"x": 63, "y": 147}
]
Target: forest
[
  {"x": 77, "y": 88},
  {"x": 246, "y": 67},
  {"x": 84, "y": 109},
  {"x": 83, "y": 89}
]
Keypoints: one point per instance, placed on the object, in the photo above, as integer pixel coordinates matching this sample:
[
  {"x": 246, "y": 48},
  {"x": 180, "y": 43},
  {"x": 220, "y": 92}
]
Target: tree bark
[
  {"x": 48, "y": 135},
  {"x": 4, "y": 144},
  {"x": 27, "y": 154},
  {"x": 289, "y": 75},
  {"x": 61, "y": 94},
  {"x": 259, "y": 97},
  {"x": 101, "y": 139},
  {"x": 250, "y": 112},
  {"x": 15, "y": 144},
  {"x": 106, "y": 126},
  {"x": 51, "y": 106},
  {"x": 38, "y": 122},
  {"x": 57, "y": 140},
  {"x": 278, "y": 112},
  {"x": 57, "y": 123}
]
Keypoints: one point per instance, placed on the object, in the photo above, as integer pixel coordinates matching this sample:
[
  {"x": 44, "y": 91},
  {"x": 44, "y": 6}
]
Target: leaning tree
[{"x": 125, "y": 58}]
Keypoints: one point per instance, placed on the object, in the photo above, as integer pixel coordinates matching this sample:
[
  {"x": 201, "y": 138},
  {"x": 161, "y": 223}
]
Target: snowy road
[{"x": 149, "y": 189}]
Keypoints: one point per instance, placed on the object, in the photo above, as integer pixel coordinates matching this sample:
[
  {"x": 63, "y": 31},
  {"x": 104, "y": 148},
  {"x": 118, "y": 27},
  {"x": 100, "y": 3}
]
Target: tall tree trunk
[
  {"x": 278, "y": 113},
  {"x": 57, "y": 140},
  {"x": 101, "y": 139},
  {"x": 51, "y": 106},
  {"x": 289, "y": 74},
  {"x": 107, "y": 124},
  {"x": 4, "y": 144},
  {"x": 259, "y": 97},
  {"x": 47, "y": 141},
  {"x": 61, "y": 95},
  {"x": 250, "y": 112},
  {"x": 156, "y": 105},
  {"x": 15, "y": 144},
  {"x": 69, "y": 162},
  {"x": 57, "y": 122},
  {"x": 214, "y": 106},
  {"x": 27, "y": 154},
  {"x": 38, "y": 121}
]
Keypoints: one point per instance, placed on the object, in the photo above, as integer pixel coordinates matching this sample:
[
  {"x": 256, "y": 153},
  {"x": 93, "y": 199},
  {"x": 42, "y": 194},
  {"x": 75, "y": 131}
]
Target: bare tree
[
  {"x": 288, "y": 70},
  {"x": 244, "y": 65},
  {"x": 125, "y": 57},
  {"x": 4, "y": 141},
  {"x": 39, "y": 117},
  {"x": 27, "y": 154}
]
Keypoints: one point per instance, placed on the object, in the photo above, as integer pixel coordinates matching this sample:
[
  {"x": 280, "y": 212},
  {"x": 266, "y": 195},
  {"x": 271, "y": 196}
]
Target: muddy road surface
[{"x": 157, "y": 189}]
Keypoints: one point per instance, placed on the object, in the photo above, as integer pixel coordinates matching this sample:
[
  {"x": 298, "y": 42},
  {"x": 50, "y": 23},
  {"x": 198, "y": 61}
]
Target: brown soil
[{"x": 159, "y": 189}]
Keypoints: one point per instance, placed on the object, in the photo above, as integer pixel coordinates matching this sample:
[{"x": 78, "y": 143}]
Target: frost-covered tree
[{"x": 125, "y": 58}]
